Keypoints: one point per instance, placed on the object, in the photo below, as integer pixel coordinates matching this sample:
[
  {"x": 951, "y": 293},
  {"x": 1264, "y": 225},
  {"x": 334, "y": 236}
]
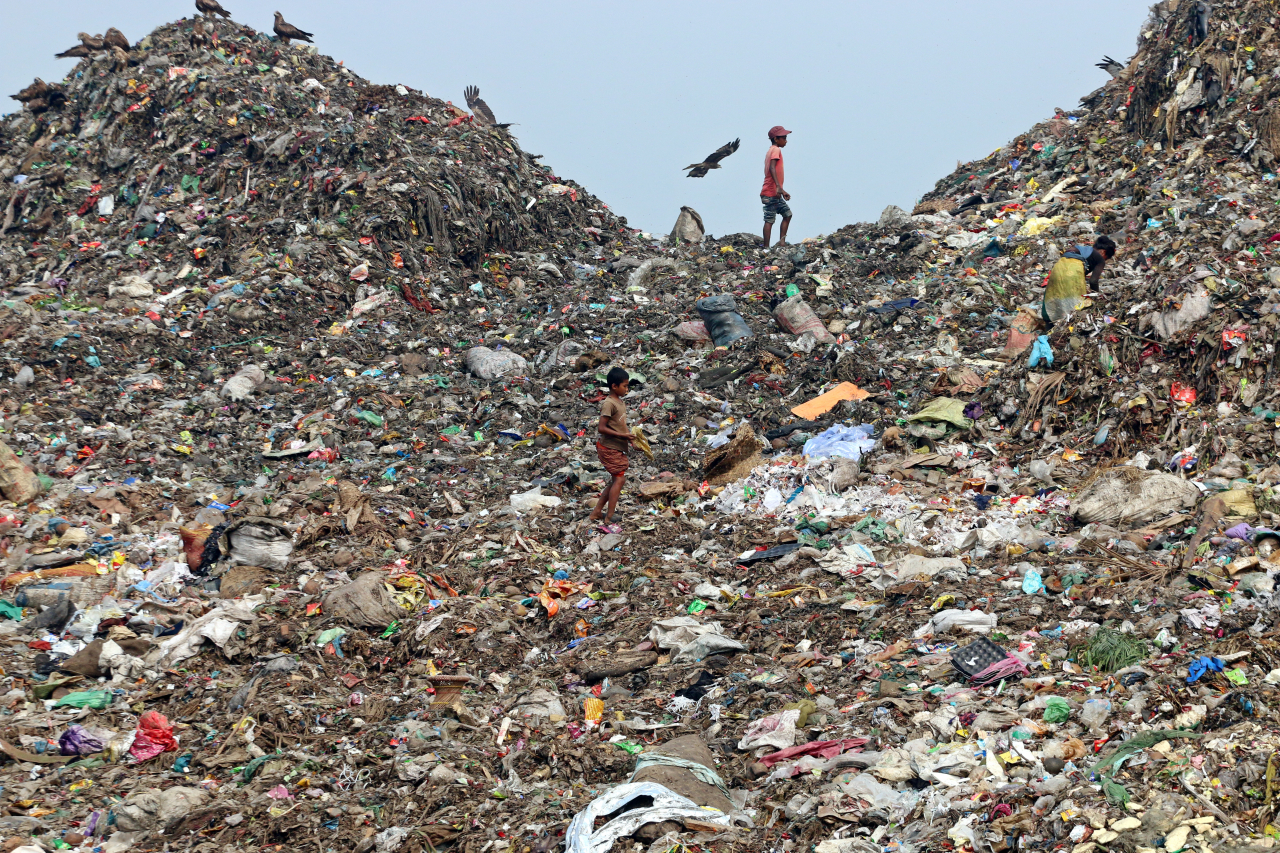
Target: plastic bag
[
  {"x": 1095, "y": 712},
  {"x": 689, "y": 227},
  {"x": 193, "y": 539},
  {"x": 693, "y": 330},
  {"x": 533, "y": 499},
  {"x": 797, "y": 317},
  {"x": 97, "y": 699},
  {"x": 18, "y": 483},
  {"x": 724, "y": 323},
  {"x": 244, "y": 382},
  {"x": 153, "y": 737},
  {"x": 845, "y": 442},
  {"x": 1039, "y": 350},
  {"x": 77, "y": 740},
  {"x": 1056, "y": 710},
  {"x": 485, "y": 363}
]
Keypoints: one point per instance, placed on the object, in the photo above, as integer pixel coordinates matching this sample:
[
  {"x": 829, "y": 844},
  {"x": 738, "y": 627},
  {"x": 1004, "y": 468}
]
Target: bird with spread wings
[
  {"x": 712, "y": 160},
  {"x": 483, "y": 114}
]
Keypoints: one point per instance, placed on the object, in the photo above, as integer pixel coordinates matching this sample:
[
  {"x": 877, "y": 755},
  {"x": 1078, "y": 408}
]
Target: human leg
[
  {"x": 782, "y": 232},
  {"x": 614, "y": 491}
]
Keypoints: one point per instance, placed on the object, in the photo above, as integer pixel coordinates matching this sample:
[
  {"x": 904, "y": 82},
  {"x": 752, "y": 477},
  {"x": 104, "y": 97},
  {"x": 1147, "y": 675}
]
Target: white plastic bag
[
  {"x": 845, "y": 442},
  {"x": 533, "y": 499}
]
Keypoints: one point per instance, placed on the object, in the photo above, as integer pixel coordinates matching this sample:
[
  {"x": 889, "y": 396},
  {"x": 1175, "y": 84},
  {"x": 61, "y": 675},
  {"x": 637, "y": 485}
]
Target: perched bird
[
  {"x": 211, "y": 8},
  {"x": 1110, "y": 66},
  {"x": 76, "y": 52},
  {"x": 287, "y": 31},
  {"x": 115, "y": 38},
  {"x": 713, "y": 159},
  {"x": 38, "y": 89},
  {"x": 483, "y": 114},
  {"x": 198, "y": 37},
  {"x": 94, "y": 42}
]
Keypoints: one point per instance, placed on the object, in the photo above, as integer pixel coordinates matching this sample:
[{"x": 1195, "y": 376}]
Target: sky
[{"x": 883, "y": 99}]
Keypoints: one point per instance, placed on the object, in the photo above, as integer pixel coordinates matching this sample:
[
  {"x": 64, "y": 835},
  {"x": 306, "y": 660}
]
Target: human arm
[
  {"x": 606, "y": 429},
  {"x": 1096, "y": 275},
  {"x": 777, "y": 182}
]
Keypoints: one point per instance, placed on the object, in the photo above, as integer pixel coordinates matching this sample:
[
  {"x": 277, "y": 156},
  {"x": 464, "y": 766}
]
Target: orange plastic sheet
[{"x": 828, "y": 401}]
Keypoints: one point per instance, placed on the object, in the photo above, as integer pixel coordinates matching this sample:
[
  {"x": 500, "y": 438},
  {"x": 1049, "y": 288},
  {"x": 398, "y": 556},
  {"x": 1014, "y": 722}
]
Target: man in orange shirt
[{"x": 772, "y": 195}]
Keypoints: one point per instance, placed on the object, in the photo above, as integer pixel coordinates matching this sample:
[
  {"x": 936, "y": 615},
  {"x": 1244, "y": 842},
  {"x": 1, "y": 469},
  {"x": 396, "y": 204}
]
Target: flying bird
[
  {"x": 211, "y": 8},
  {"x": 1110, "y": 66},
  {"x": 287, "y": 31},
  {"x": 713, "y": 159},
  {"x": 115, "y": 38},
  {"x": 483, "y": 114}
]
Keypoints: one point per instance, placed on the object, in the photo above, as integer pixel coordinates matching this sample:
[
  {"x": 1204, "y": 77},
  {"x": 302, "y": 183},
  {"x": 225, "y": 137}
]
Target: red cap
[{"x": 777, "y": 130}]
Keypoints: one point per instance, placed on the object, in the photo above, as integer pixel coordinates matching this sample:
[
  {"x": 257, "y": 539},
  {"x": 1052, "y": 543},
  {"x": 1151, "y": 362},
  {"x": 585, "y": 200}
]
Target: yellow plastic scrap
[
  {"x": 642, "y": 442},
  {"x": 1037, "y": 225}
]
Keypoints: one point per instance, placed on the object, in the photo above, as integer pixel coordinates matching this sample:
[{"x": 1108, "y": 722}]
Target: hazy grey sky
[{"x": 884, "y": 98}]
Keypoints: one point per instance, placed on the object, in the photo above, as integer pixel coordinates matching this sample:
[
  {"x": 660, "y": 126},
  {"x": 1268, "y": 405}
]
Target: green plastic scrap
[
  {"x": 947, "y": 409},
  {"x": 329, "y": 636},
  {"x": 9, "y": 610},
  {"x": 1056, "y": 710},
  {"x": 1138, "y": 742},
  {"x": 96, "y": 699},
  {"x": 369, "y": 417}
]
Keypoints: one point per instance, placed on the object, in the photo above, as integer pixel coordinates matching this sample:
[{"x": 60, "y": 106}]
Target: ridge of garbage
[{"x": 299, "y": 393}]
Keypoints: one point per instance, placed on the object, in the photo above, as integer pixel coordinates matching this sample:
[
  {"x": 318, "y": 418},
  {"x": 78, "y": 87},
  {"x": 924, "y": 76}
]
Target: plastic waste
[
  {"x": 1041, "y": 350},
  {"x": 795, "y": 315},
  {"x": 845, "y": 442},
  {"x": 1094, "y": 712},
  {"x": 154, "y": 735},
  {"x": 534, "y": 499},
  {"x": 485, "y": 363},
  {"x": 724, "y": 323}
]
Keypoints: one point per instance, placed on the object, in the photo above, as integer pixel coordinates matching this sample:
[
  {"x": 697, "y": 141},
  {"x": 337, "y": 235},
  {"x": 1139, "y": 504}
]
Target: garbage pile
[{"x": 300, "y": 384}]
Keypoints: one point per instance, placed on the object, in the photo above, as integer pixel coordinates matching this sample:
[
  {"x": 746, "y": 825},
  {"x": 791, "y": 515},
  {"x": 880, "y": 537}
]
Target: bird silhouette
[{"x": 287, "y": 31}]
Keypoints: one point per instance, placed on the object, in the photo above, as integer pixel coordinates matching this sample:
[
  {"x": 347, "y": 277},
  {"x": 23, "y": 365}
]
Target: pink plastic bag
[{"x": 153, "y": 737}]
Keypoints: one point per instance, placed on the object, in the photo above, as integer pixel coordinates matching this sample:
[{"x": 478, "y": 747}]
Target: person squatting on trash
[
  {"x": 614, "y": 442},
  {"x": 772, "y": 195},
  {"x": 1072, "y": 276}
]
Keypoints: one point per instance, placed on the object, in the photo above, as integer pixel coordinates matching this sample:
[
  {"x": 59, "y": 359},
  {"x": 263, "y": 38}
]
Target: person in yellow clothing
[{"x": 1072, "y": 276}]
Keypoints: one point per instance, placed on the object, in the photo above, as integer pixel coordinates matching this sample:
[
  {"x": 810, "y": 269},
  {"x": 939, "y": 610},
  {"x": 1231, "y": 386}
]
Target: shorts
[
  {"x": 773, "y": 205},
  {"x": 614, "y": 460}
]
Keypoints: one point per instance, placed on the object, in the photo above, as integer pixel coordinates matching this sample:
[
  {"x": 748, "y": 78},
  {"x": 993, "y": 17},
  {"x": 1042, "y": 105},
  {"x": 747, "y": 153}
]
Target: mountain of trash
[{"x": 299, "y": 394}]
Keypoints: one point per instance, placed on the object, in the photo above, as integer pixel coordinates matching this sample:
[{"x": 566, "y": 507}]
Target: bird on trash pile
[
  {"x": 37, "y": 89},
  {"x": 211, "y": 8},
  {"x": 287, "y": 31},
  {"x": 115, "y": 38},
  {"x": 88, "y": 44},
  {"x": 483, "y": 114},
  {"x": 1110, "y": 66},
  {"x": 713, "y": 159}
]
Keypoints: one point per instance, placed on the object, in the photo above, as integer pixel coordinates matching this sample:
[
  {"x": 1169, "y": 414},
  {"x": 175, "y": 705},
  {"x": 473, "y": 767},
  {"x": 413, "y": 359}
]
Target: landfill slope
[{"x": 300, "y": 384}]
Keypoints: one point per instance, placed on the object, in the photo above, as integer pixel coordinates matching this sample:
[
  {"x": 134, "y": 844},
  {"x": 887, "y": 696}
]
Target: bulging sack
[{"x": 724, "y": 323}]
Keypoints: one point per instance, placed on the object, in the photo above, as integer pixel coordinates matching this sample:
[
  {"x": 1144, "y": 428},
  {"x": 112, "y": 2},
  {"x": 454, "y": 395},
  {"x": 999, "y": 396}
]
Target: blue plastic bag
[{"x": 1039, "y": 350}]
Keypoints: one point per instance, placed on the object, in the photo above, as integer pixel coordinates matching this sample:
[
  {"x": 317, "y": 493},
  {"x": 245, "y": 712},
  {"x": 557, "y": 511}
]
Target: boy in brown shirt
[{"x": 614, "y": 442}]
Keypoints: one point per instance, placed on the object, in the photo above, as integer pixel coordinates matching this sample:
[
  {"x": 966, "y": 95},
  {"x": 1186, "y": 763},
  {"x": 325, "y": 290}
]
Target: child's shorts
[
  {"x": 614, "y": 460},
  {"x": 774, "y": 205}
]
